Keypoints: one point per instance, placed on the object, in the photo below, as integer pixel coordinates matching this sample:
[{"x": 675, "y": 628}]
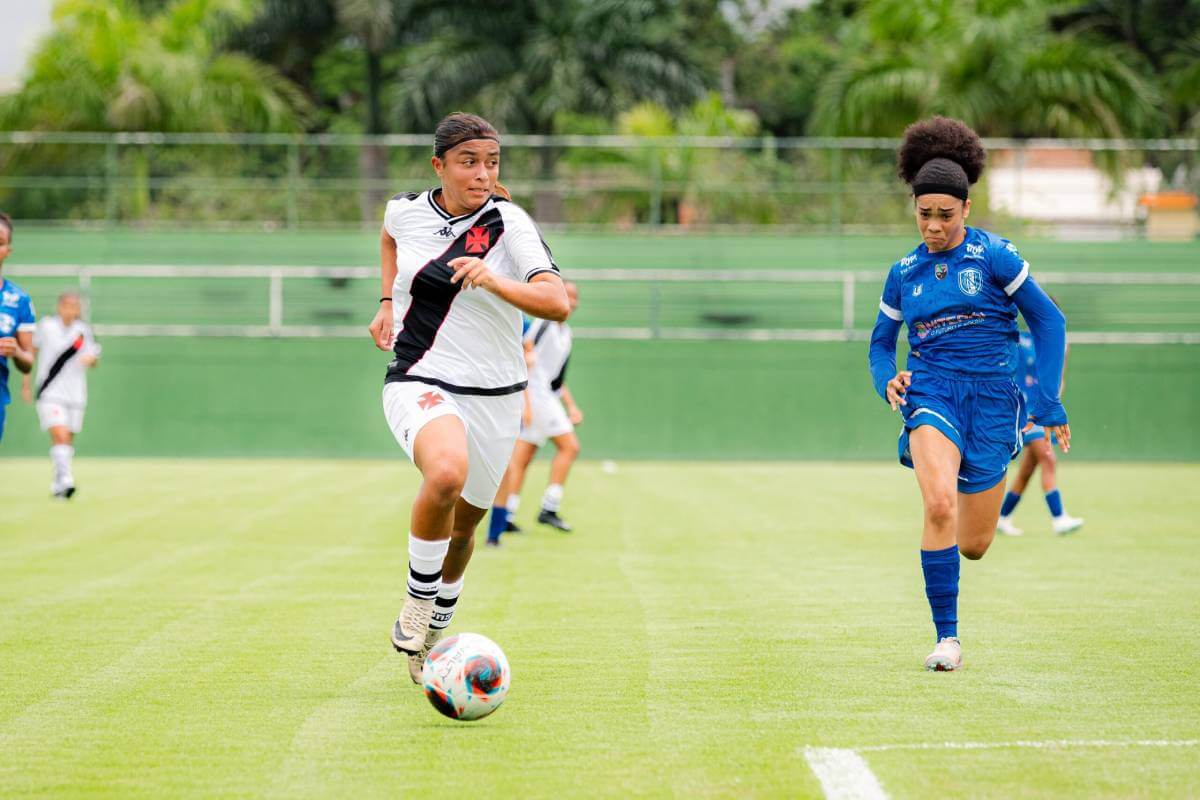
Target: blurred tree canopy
[
  {"x": 110, "y": 66},
  {"x": 845, "y": 67}
]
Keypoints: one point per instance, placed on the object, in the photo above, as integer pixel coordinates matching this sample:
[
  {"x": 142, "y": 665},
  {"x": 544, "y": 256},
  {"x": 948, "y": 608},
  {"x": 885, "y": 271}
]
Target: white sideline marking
[
  {"x": 843, "y": 774},
  {"x": 879, "y": 748}
]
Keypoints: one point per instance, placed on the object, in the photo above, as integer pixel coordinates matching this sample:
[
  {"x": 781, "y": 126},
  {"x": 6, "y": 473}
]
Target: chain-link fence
[{"x": 1088, "y": 187}]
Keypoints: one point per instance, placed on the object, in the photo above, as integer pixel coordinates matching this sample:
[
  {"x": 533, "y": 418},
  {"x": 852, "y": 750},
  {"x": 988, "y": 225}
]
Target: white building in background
[
  {"x": 1065, "y": 189},
  {"x": 23, "y": 24}
]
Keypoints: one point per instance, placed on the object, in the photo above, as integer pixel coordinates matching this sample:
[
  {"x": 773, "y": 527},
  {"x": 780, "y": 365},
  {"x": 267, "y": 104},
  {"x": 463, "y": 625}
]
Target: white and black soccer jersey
[
  {"x": 61, "y": 376},
  {"x": 465, "y": 342},
  {"x": 552, "y": 346}
]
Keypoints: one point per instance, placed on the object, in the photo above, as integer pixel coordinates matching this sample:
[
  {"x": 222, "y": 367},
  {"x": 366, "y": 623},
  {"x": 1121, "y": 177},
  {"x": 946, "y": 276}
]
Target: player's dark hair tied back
[
  {"x": 459, "y": 127},
  {"x": 940, "y": 155}
]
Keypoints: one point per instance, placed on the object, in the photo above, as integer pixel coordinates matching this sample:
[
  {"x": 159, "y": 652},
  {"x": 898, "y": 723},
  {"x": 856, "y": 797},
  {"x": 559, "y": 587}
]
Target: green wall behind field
[{"x": 262, "y": 397}]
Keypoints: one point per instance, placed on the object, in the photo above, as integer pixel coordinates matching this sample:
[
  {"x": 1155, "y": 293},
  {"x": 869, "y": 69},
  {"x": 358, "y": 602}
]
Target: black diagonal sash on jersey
[
  {"x": 558, "y": 382},
  {"x": 60, "y": 362},
  {"x": 433, "y": 293},
  {"x": 537, "y": 337}
]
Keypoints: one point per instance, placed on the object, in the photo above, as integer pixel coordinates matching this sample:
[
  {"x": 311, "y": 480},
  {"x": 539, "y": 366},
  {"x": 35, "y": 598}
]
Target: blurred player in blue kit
[
  {"x": 958, "y": 293},
  {"x": 1039, "y": 452},
  {"x": 17, "y": 322}
]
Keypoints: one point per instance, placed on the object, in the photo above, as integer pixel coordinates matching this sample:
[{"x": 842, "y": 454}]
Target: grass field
[{"x": 219, "y": 628}]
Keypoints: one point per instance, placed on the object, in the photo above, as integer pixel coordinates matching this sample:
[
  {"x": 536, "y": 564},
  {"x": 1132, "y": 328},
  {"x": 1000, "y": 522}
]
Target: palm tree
[
  {"x": 998, "y": 65},
  {"x": 106, "y": 67},
  {"x": 524, "y": 63}
]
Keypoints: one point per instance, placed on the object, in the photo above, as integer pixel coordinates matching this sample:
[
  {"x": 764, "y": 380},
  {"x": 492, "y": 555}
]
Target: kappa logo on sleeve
[{"x": 478, "y": 239}]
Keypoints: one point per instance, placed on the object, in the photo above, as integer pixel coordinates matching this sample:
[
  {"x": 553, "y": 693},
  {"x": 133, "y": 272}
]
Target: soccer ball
[{"x": 466, "y": 676}]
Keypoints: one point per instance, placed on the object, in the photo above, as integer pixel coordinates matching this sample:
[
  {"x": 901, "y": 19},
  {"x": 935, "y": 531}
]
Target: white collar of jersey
[{"x": 429, "y": 196}]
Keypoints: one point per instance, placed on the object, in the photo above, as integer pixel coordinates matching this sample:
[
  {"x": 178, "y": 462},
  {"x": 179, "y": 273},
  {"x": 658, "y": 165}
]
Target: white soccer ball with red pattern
[{"x": 466, "y": 676}]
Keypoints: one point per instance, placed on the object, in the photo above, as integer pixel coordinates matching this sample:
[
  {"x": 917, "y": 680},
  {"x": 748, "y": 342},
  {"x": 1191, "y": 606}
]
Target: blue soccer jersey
[
  {"x": 958, "y": 305},
  {"x": 16, "y": 315}
]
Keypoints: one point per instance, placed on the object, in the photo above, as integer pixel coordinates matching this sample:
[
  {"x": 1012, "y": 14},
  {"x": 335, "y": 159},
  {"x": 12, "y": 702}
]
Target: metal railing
[
  {"x": 632, "y": 304},
  {"x": 830, "y": 185}
]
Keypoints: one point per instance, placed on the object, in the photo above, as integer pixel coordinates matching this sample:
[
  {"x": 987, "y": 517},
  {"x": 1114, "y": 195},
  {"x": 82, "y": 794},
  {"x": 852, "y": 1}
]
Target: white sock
[
  {"x": 553, "y": 497},
  {"x": 514, "y": 502},
  {"x": 61, "y": 455},
  {"x": 425, "y": 566},
  {"x": 443, "y": 606}
]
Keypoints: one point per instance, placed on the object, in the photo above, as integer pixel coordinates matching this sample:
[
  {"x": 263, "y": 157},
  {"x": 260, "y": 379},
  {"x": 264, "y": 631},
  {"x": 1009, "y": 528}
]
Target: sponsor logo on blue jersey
[
  {"x": 8, "y": 324},
  {"x": 940, "y": 271},
  {"x": 11, "y": 299},
  {"x": 920, "y": 287}
]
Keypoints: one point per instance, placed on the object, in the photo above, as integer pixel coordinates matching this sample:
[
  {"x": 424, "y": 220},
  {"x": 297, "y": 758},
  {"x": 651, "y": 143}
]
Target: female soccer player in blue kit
[{"x": 959, "y": 292}]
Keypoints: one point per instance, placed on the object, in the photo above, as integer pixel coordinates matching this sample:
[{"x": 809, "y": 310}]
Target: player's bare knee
[
  {"x": 570, "y": 448},
  {"x": 444, "y": 480},
  {"x": 941, "y": 510},
  {"x": 973, "y": 552}
]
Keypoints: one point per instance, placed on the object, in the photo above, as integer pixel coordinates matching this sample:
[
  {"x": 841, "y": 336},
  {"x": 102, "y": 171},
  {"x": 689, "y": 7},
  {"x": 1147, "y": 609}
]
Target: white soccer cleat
[
  {"x": 1004, "y": 525},
  {"x": 1066, "y": 524},
  {"x": 946, "y": 656},
  {"x": 411, "y": 628},
  {"x": 416, "y": 661}
]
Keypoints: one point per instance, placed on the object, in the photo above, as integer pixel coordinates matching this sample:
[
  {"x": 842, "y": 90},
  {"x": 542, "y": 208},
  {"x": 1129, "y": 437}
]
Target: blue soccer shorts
[{"x": 982, "y": 417}]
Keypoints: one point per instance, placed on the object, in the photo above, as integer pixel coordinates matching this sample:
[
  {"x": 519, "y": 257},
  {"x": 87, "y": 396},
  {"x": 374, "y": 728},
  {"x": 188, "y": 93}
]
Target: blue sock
[
  {"x": 1010, "y": 502},
  {"x": 941, "y": 587},
  {"x": 497, "y": 523},
  {"x": 1054, "y": 501}
]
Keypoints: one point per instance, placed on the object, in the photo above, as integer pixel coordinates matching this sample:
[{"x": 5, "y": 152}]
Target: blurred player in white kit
[{"x": 65, "y": 351}]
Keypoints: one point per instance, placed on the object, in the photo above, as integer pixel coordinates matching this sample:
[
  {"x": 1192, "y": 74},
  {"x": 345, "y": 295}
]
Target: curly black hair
[{"x": 941, "y": 138}]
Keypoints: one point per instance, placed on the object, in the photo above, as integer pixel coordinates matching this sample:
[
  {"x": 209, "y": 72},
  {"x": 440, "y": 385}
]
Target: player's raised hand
[
  {"x": 1063, "y": 434},
  {"x": 897, "y": 387},
  {"x": 473, "y": 272},
  {"x": 381, "y": 327}
]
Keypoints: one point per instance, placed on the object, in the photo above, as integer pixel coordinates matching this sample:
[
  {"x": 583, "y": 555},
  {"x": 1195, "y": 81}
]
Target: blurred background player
[
  {"x": 959, "y": 292},
  {"x": 458, "y": 263},
  {"x": 505, "y": 504},
  {"x": 555, "y": 416},
  {"x": 1039, "y": 452},
  {"x": 65, "y": 350},
  {"x": 17, "y": 322}
]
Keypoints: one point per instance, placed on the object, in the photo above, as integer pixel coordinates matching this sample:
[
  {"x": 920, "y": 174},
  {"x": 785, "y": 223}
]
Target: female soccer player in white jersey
[
  {"x": 959, "y": 293},
  {"x": 65, "y": 350},
  {"x": 459, "y": 264}
]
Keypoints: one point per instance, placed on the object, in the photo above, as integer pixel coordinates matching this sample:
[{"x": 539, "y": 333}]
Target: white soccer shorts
[
  {"x": 54, "y": 415},
  {"x": 491, "y": 422},
  {"x": 549, "y": 419}
]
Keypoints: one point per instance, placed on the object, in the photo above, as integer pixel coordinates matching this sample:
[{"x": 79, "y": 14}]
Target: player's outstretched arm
[
  {"x": 544, "y": 296},
  {"x": 1048, "y": 327},
  {"x": 882, "y": 354},
  {"x": 573, "y": 411},
  {"x": 381, "y": 326}
]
